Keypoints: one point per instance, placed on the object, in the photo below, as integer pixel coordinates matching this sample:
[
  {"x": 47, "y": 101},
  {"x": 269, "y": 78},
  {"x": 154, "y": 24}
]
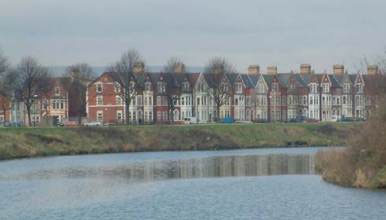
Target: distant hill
[{"x": 59, "y": 70}]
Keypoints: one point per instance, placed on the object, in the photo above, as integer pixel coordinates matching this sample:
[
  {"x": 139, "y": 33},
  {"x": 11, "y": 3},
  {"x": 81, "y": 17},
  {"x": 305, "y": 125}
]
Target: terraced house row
[{"x": 272, "y": 96}]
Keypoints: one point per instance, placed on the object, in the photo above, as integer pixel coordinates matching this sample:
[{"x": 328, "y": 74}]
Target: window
[
  {"x": 148, "y": 86},
  {"x": 61, "y": 104},
  {"x": 132, "y": 86},
  {"x": 359, "y": 88},
  {"x": 161, "y": 87},
  {"x": 275, "y": 87},
  {"x": 99, "y": 87},
  {"x": 326, "y": 88},
  {"x": 119, "y": 116},
  {"x": 183, "y": 101},
  {"x": 139, "y": 100},
  {"x": 118, "y": 100},
  {"x": 185, "y": 86},
  {"x": 150, "y": 101},
  {"x": 117, "y": 87},
  {"x": 346, "y": 88},
  {"x": 239, "y": 88},
  {"x": 99, "y": 100},
  {"x": 57, "y": 91},
  {"x": 100, "y": 116}
]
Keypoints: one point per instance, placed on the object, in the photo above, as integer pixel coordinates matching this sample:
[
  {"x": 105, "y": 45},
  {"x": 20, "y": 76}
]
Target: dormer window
[
  {"x": 314, "y": 88},
  {"x": 346, "y": 88},
  {"x": 326, "y": 88},
  {"x": 185, "y": 86},
  {"x": 224, "y": 87},
  {"x": 131, "y": 86},
  {"x": 99, "y": 87},
  {"x": 117, "y": 87},
  {"x": 161, "y": 87},
  {"x": 359, "y": 88},
  {"x": 275, "y": 87},
  {"x": 57, "y": 91},
  {"x": 148, "y": 86},
  {"x": 239, "y": 88}
]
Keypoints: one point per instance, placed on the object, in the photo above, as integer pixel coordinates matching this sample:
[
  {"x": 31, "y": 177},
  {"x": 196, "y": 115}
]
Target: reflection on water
[
  {"x": 220, "y": 166},
  {"x": 125, "y": 186}
]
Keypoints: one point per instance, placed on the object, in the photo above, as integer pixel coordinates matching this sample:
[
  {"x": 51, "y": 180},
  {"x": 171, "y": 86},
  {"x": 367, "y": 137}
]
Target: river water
[{"x": 237, "y": 184}]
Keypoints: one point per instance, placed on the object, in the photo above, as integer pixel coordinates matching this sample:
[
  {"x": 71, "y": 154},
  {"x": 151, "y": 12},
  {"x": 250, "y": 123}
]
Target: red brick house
[{"x": 104, "y": 103}]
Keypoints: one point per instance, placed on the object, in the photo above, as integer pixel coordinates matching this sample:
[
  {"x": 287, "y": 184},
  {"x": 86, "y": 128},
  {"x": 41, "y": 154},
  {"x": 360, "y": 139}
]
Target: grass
[{"x": 33, "y": 142}]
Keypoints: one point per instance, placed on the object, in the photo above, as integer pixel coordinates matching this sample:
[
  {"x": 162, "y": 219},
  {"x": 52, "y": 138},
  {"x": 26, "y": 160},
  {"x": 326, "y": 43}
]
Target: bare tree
[
  {"x": 31, "y": 81},
  {"x": 125, "y": 69},
  {"x": 5, "y": 90},
  {"x": 3, "y": 64},
  {"x": 217, "y": 69},
  {"x": 174, "y": 65},
  {"x": 75, "y": 81}
]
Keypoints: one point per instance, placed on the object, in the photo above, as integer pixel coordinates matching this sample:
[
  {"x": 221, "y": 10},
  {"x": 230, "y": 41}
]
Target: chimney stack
[
  {"x": 305, "y": 69},
  {"x": 139, "y": 67},
  {"x": 254, "y": 69},
  {"x": 272, "y": 70},
  {"x": 179, "y": 68},
  {"x": 338, "y": 69},
  {"x": 372, "y": 69}
]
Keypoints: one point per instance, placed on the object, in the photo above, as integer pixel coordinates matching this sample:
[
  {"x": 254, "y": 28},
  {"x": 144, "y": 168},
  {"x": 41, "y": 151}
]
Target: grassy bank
[
  {"x": 363, "y": 162},
  {"x": 28, "y": 142}
]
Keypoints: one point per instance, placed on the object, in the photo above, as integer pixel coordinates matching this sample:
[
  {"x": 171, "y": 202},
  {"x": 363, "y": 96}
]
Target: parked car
[
  {"x": 346, "y": 119},
  {"x": 228, "y": 120},
  {"x": 93, "y": 124},
  {"x": 191, "y": 120}
]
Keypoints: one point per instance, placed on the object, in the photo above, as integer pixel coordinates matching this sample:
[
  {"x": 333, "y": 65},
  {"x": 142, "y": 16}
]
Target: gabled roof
[
  {"x": 334, "y": 81},
  {"x": 247, "y": 81},
  {"x": 284, "y": 79},
  {"x": 268, "y": 79},
  {"x": 253, "y": 78}
]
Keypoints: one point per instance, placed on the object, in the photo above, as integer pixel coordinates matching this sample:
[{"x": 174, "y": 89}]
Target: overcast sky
[{"x": 285, "y": 33}]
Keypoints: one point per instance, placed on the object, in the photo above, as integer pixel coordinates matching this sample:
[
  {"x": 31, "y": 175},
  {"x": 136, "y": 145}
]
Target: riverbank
[
  {"x": 363, "y": 162},
  {"x": 36, "y": 142}
]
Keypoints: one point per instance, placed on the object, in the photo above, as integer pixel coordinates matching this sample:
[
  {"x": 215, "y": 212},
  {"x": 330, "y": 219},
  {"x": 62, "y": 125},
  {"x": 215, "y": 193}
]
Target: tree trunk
[
  {"x": 217, "y": 113},
  {"x": 29, "y": 115},
  {"x": 79, "y": 118},
  {"x": 127, "y": 110},
  {"x": 171, "y": 116}
]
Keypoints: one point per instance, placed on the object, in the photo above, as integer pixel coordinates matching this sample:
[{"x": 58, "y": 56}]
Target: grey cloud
[{"x": 266, "y": 32}]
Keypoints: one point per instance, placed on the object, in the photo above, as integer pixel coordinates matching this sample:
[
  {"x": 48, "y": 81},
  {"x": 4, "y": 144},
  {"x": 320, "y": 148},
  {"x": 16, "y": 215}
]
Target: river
[{"x": 237, "y": 184}]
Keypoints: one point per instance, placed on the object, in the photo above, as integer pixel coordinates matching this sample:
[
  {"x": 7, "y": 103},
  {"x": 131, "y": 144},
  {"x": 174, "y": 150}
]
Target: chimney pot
[
  {"x": 272, "y": 70},
  {"x": 254, "y": 69},
  {"x": 338, "y": 69},
  {"x": 305, "y": 69},
  {"x": 372, "y": 69}
]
